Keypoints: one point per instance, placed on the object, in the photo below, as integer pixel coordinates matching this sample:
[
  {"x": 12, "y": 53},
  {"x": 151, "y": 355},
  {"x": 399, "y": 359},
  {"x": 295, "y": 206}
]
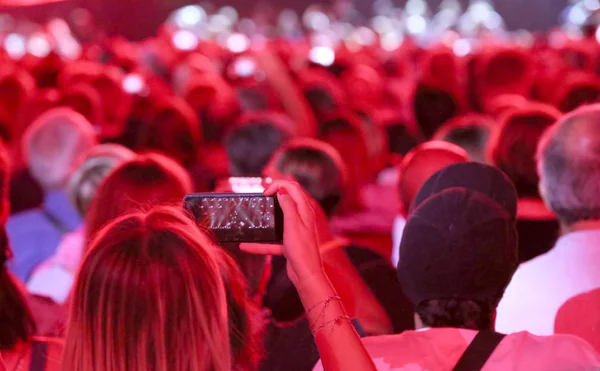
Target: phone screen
[{"x": 250, "y": 217}]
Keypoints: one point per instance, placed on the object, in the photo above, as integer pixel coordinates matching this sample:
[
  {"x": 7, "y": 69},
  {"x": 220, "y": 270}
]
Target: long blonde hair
[{"x": 149, "y": 297}]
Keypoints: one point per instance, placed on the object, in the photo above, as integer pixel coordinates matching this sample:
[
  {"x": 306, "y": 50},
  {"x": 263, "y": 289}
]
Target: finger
[
  {"x": 295, "y": 191},
  {"x": 261, "y": 249}
]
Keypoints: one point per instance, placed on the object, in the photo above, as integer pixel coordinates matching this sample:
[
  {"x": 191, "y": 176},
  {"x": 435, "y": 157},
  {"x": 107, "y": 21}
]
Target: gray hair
[{"x": 569, "y": 166}]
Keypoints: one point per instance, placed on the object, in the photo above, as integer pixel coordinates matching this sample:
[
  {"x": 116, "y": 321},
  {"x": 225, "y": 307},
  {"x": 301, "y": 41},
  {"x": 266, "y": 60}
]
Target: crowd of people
[{"x": 441, "y": 207}]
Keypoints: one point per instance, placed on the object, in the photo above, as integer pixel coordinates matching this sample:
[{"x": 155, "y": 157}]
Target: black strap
[
  {"x": 479, "y": 351},
  {"x": 39, "y": 356},
  {"x": 56, "y": 223}
]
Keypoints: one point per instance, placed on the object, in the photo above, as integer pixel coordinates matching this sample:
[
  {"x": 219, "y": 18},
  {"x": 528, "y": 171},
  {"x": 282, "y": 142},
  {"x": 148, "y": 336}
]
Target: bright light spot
[
  {"x": 365, "y": 36},
  {"x": 15, "y": 46},
  {"x": 244, "y": 67},
  {"x": 38, "y": 46},
  {"x": 416, "y": 24},
  {"x": 230, "y": 13},
  {"x": 59, "y": 27},
  {"x": 577, "y": 15},
  {"x": 382, "y": 24},
  {"x": 69, "y": 48},
  {"x": 238, "y": 43},
  {"x": 189, "y": 16},
  {"x": 322, "y": 55},
  {"x": 218, "y": 23},
  {"x": 446, "y": 17},
  {"x": 461, "y": 48},
  {"x": 416, "y": 7},
  {"x": 493, "y": 21},
  {"x": 480, "y": 11},
  {"x": 592, "y": 5},
  {"x": 316, "y": 21},
  {"x": 133, "y": 83},
  {"x": 391, "y": 41},
  {"x": 185, "y": 40},
  {"x": 598, "y": 34}
]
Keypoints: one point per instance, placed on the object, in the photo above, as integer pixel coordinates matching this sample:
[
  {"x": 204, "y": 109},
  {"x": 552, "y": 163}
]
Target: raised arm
[
  {"x": 292, "y": 99},
  {"x": 339, "y": 345}
]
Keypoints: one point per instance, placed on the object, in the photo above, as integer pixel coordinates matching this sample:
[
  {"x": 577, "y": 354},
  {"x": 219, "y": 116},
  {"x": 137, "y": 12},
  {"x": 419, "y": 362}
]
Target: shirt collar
[
  {"x": 57, "y": 203},
  {"x": 579, "y": 238}
]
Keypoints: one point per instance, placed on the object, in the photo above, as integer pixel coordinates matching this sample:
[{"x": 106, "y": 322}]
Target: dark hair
[
  {"x": 513, "y": 147},
  {"x": 578, "y": 94},
  {"x": 252, "y": 266},
  {"x": 316, "y": 171},
  {"x": 432, "y": 108},
  {"x": 320, "y": 100},
  {"x": 174, "y": 131},
  {"x": 468, "y": 132},
  {"x": 456, "y": 313},
  {"x": 400, "y": 139},
  {"x": 16, "y": 320},
  {"x": 250, "y": 145}
]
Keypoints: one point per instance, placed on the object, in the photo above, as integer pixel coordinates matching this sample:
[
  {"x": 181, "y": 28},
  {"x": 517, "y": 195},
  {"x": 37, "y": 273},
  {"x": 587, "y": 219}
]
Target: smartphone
[{"x": 238, "y": 217}]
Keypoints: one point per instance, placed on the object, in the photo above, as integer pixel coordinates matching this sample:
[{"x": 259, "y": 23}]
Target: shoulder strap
[
  {"x": 56, "y": 223},
  {"x": 39, "y": 355},
  {"x": 479, "y": 351}
]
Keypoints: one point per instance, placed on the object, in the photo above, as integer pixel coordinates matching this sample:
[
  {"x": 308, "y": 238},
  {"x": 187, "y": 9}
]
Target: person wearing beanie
[{"x": 457, "y": 255}]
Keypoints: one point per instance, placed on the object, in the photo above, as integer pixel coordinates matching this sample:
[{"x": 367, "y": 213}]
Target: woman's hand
[{"x": 300, "y": 240}]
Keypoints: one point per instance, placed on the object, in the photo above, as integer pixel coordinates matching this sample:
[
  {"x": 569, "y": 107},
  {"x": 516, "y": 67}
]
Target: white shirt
[
  {"x": 397, "y": 231},
  {"x": 541, "y": 286},
  {"x": 441, "y": 348},
  {"x": 54, "y": 278}
]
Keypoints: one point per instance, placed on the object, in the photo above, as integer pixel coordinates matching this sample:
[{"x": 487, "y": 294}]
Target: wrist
[{"x": 315, "y": 289}]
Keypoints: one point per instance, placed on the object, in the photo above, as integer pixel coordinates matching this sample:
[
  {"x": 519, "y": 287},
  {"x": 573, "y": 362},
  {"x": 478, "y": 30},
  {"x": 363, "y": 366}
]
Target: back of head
[
  {"x": 569, "y": 166},
  {"x": 96, "y": 165},
  {"x": 174, "y": 131},
  {"x": 512, "y": 147},
  {"x": 577, "y": 90},
  {"x": 458, "y": 250},
  {"x": 505, "y": 71},
  {"x": 144, "y": 181},
  {"x": 432, "y": 108},
  {"x": 54, "y": 144},
  {"x": 84, "y": 99},
  {"x": 421, "y": 163},
  {"x": 349, "y": 136},
  {"x": 253, "y": 140},
  {"x": 470, "y": 132},
  {"x": 317, "y": 167},
  {"x": 149, "y": 296}
]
